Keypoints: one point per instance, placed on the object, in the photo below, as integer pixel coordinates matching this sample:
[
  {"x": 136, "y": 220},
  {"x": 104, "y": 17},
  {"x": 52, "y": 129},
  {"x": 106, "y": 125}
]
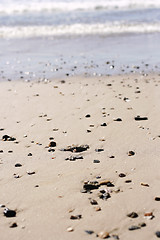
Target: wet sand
[{"x": 79, "y": 158}]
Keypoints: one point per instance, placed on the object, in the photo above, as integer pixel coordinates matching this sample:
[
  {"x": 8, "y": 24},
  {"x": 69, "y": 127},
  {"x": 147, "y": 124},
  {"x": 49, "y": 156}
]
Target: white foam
[
  {"x": 77, "y": 29},
  {"x": 17, "y": 6}
]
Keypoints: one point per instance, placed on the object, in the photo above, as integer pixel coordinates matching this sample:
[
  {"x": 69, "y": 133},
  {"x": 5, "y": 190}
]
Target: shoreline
[{"x": 80, "y": 193}]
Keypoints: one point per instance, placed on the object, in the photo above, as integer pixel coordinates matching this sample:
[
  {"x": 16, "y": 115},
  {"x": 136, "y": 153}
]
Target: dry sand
[{"x": 44, "y": 201}]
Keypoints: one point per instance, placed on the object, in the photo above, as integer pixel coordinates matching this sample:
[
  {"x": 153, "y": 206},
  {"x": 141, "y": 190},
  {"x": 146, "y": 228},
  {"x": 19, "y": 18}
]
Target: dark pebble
[
  {"x": 30, "y": 173},
  {"x": 122, "y": 175},
  {"x": 138, "y": 118},
  {"x": 132, "y": 215},
  {"x": 1, "y": 151},
  {"x": 13, "y": 225},
  {"x": 93, "y": 202},
  {"x": 89, "y": 187},
  {"x": 90, "y": 232},
  {"x": 29, "y": 154},
  {"x": 118, "y": 120},
  {"x": 96, "y": 161},
  {"x": 9, "y": 213},
  {"x": 73, "y": 148},
  {"x": 75, "y": 217},
  {"x": 131, "y": 153},
  {"x": 18, "y": 165},
  {"x": 132, "y": 228},
  {"x": 103, "y": 124},
  {"x": 52, "y": 144},
  {"x": 99, "y": 150},
  {"x": 158, "y": 234},
  {"x": 128, "y": 181},
  {"x": 157, "y": 199},
  {"x": 88, "y": 116},
  {"x": 142, "y": 224}
]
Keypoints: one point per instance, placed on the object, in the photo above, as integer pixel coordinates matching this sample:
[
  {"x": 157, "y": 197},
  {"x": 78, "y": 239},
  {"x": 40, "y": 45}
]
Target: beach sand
[{"x": 79, "y": 198}]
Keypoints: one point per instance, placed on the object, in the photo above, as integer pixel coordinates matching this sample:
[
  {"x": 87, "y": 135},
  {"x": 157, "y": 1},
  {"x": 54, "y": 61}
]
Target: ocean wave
[
  {"x": 77, "y": 29},
  {"x": 21, "y": 7}
]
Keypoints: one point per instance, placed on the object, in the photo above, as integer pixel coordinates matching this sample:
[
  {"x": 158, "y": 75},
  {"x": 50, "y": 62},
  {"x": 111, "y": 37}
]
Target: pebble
[
  {"x": 13, "y": 225},
  {"x": 132, "y": 228},
  {"x": 93, "y": 202},
  {"x": 145, "y": 184},
  {"x": 122, "y": 175},
  {"x": 29, "y": 154},
  {"x": 30, "y": 173},
  {"x": 18, "y": 165},
  {"x": 97, "y": 209},
  {"x": 90, "y": 232},
  {"x": 118, "y": 120},
  {"x": 90, "y": 186},
  {"x": 158, "y": 234},
  {"x": 99, "y": 150},
  {"x": 9, "y": 213},
  {"x": 132, "y": 215},
  {"x": 107, "y": 183},
  {"x": 96, "y": 161},
  {"x": 103, "y": 124},
  {"x": 2, "y": 205},
  {"x": 138, "y": 118},
  {"x": 70, "y": 229},
  {"x": 157, "y": 199},
  {"x": 131, "y": 153},
  {"x": 103, "y": 235},
  {"x": 52, "y": 144},
  {"x": 75, "y": 217},
  {"x": 88, "y": 116}
]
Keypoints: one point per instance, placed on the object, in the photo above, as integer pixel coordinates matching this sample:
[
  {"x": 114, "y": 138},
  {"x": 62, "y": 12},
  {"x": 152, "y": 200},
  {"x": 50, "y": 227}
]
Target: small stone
[
  {"x": 52, "y": 144},
  {"x": 13, "y": 225},
  {"x": 157, "y": 199},
  {"x": 76, "y": 148},
  {"x": 88, "y": 131},
  {"x": 112, "y": 156},
  {"x": 118, "y": 120},
  {"x": 128, "y": 181},
  {"x": 132, "y": 215},
  {"x": 29, "y": 154},
  {"x": 97, "y": 209},
  {"x": 96, "y": 161},
  {"x": 132, "y": 228},
  {"x": 142, "y": 224},
  {"x": 30, "y": 173},
  {"x": 51, "y": 150},
  {"x": 90, "y": 232},
  {"x": 70, "y": 229},
  {"x": 9, "y": 213},
  {"x": 122, "y": 175},
  {"x": 115, "y": 237},
  {"x": 1, "y": 151},
  {"x": 88, "y": 116},
  {"x": 145, "y": 184},
  {"x": 75, "y": 217},
  {"x": 103, "y": 235},
  {"x": 18, "y": 165},
  {"x": 90, "y": 186},
  {"x": 107, "y": 183},
  {"x": 2, "y": 205},
  {"x": 131, "y": 153},
  {"x": 103, "y": 124},
  {"x": 104, "y": 195},
  {"x": 99, "y": 150},
  {"x": 138, "y": 118},
  {"x": 158, "y": 234},
  {"x": 93, "y": 202}
]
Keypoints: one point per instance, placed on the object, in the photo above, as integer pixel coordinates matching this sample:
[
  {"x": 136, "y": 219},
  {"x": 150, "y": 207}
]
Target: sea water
[
  {"x": 36, "y": 18},
  {"x": 46, "y": 39}
]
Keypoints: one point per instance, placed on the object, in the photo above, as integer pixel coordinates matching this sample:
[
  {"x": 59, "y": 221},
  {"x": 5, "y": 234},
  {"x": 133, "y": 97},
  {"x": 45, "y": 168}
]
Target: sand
[{"x": 36, "y": 114}]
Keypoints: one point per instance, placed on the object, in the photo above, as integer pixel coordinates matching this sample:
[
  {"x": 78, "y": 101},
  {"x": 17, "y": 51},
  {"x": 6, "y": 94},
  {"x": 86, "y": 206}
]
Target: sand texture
[{"x": 75, "y": 160}]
